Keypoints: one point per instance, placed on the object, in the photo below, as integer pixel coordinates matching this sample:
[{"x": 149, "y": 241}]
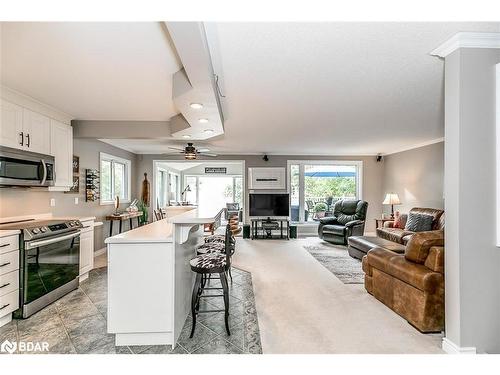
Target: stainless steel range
[{"x": 49, "y": 262}]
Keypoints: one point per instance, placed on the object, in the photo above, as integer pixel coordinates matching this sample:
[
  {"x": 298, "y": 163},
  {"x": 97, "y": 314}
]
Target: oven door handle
[{"x": 33, "y": 244}]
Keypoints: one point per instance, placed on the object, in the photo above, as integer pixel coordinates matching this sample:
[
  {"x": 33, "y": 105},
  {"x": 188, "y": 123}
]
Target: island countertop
[{"x": 162, "y": 230}]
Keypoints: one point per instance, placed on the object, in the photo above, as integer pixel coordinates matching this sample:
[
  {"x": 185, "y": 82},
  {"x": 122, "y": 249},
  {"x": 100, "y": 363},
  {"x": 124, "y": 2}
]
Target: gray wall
[
  {"x": 472, "y": 259},
  {"x": 17, "y": 202},
  {"x": 372, "y": 174},
  {"x": 416, "y": 176}
]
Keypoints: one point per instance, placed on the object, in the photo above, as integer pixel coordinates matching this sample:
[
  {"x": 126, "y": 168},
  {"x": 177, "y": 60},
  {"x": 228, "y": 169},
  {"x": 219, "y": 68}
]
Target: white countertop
[
  {"x": 158, "y": 231},
  {"x": 8, "y": 232},
  {"x": 198, "y": 215},
  {"x": 162, "y": 230}
]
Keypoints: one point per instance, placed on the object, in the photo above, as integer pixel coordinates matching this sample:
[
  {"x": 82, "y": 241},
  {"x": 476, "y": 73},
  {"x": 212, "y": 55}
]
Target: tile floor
[{"x": 77, "y": 323}]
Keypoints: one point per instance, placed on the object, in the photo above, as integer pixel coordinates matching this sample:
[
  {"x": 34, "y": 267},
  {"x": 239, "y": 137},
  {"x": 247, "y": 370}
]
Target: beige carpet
[{"x": 303, "y": 308}]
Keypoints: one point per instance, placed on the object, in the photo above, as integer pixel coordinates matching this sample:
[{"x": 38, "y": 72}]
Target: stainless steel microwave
[{"x": 26, "y": 168}]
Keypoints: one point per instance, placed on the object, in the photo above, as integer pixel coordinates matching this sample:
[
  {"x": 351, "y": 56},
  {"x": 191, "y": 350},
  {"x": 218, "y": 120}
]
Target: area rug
[{"x": 337, "y": 260}]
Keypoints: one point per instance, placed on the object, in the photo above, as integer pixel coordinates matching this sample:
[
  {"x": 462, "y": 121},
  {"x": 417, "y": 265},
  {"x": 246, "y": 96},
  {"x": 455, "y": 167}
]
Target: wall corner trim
[
  {"x": 412, "y": 147},
  {"x": 467, "y": 40},
  {"x": 451, "y": 348}
]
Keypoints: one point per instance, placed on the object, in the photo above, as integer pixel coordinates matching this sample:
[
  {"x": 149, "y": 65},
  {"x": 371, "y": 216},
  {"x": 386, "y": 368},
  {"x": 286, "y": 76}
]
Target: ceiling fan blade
[
  {"x": 173, "y": 153},
  {"x": 176, "y": 148},
  {"x": 198, "y": 150},
  {"x": 207, "y": 154}
]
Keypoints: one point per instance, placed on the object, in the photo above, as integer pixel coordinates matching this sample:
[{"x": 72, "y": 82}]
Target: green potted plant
[
  {"x": 144, "y": 209},
  {"x": 320, "y": 209}
]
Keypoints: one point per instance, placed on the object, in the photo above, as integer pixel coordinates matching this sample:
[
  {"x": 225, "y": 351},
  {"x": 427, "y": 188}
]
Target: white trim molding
[
  {"x": 498, "y": 150},
  {"x": 467, "y": 40},
  {"x": 451, "y": 348}
]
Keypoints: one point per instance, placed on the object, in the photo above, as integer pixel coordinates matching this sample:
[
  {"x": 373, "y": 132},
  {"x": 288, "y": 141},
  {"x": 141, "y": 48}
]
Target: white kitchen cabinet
[
  {"x": 86, "y": 249},
  {"x": 12, "y": 125},
  {"x": 36, "y": 129},
  {"x": 9, "y": 277},
  {"x": 61, "y": 147}
]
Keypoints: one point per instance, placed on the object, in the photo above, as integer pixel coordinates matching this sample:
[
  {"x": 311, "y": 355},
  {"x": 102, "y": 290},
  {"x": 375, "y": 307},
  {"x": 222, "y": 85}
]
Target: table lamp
[{"x": 392, "y": 199}]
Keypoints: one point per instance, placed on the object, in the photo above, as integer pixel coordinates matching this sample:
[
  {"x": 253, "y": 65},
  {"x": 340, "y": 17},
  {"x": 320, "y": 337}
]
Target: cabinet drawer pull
[
  {"x": 5, "y": 264},
  {"x": 5, "y": 245},
  {"x": 28, "y": 140},
  {"x": 4, "y": 285},
  {"x": 22, "y": 138},
  {"x": 4, "y": 306}
]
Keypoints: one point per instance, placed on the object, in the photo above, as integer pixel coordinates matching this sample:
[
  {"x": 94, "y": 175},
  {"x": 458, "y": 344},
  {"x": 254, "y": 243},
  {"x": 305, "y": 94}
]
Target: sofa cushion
[
  {"x": 434, "y": 212},
  {"x": 393, "y": 234},
  {"x": 435, "y": 259},
  {"x": 416, "y": 275},
  {"x": 338, "y": 230},
  {"x": 419, "y": 222},
  {"x": 419, "y": 245}
]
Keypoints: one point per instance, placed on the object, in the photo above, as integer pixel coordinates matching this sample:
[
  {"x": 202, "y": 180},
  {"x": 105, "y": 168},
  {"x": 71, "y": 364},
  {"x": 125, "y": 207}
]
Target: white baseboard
[
  {"x": 99, "y": 252},
  {"x": 451, "y": 348}
]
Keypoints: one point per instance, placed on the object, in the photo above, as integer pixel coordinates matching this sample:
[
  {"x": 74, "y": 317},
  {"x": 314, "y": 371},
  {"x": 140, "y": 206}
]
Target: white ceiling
[
  {"x": 93, "y": 71},
  {"x": 291, "y": 88}
]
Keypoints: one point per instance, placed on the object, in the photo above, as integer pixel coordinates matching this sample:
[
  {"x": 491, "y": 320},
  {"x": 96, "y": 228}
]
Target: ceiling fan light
[
  {"x": 190, "y": 155},
  {"x": 203, "y": 120},
  {"x": 196, "y": 105}
]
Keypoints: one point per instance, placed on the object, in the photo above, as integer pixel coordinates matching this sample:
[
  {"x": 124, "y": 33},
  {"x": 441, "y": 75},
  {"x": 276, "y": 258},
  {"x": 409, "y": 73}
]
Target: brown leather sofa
[
  {"x": 391, "y": 238},
  {"x": 411, "y": 284},
  {"x": 401, "y": 236}
]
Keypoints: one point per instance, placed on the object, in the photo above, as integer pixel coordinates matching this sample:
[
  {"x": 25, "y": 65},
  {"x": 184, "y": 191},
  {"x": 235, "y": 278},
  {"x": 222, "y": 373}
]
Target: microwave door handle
[{"x": 44, "y": 178}]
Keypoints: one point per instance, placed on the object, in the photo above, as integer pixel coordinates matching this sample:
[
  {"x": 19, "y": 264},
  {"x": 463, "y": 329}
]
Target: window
[
  {"x": 214, "y": 191},
  {"x": 161, "y": 188},
  {"x": 315, "y": 186},
  {"x": 115, "y": 178},
  {"x": 174, "y": 187}
]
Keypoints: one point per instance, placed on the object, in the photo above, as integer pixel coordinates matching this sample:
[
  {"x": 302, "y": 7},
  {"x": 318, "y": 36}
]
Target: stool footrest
[
  {"x": 211, "y": 295},
  {"x": 209, "y": 311}
]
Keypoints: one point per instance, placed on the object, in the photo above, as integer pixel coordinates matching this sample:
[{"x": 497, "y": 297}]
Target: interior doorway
[{"x": 211, "y": 184}]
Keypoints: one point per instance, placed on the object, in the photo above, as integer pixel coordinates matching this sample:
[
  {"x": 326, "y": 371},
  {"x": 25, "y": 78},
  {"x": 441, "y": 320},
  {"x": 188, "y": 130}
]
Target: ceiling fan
[{"x": 190, "y": 152}]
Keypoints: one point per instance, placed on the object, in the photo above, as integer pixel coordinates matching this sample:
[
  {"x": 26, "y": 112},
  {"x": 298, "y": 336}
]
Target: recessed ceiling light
[
  {"x": 186, "y": 136},
  {"x": 203, "y": 120},
  {"x": 196, "y": 105},
  {"x": 208, "y": 131}
]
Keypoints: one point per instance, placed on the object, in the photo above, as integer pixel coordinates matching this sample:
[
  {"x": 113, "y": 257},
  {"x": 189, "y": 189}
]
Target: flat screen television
[{"x": 269, "y": 205}]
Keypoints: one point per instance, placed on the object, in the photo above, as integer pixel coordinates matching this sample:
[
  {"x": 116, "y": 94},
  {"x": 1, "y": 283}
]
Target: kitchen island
[{"x": 149, "y": 278}]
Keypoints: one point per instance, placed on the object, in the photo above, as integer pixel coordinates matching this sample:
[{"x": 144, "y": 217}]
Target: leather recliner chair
[{"x": 348, "y": 220}]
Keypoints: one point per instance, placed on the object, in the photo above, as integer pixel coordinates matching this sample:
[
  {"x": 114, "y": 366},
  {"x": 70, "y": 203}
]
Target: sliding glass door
[{"x": 315, "y": 186}]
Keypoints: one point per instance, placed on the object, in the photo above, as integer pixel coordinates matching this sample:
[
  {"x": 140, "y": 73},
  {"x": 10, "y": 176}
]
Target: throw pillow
[
  {"x": 400, "y": 220},
  {"x": 419, "y": 222}
]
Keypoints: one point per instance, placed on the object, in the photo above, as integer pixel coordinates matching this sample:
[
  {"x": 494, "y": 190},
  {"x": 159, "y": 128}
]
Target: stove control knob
[
  {"x": 35, "y": 231},
  {"x": 43, "y": 229}
]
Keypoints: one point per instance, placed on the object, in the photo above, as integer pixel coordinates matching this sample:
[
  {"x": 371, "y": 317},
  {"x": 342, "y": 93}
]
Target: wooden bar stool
[{"x": 206, "y": 265}]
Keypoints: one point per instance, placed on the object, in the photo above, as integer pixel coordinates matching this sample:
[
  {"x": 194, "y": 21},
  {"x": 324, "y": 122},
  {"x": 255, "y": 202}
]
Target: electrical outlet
[
  {"x": 76, "y": 200},
  {"x": 52, "y": 202}
]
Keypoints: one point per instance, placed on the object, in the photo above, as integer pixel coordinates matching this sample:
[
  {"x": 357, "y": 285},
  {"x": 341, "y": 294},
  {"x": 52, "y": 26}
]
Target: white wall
[{"x": 417, "y": 177}]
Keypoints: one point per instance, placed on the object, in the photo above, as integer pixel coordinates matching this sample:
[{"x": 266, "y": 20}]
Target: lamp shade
[{"x": 391, "y": 198}]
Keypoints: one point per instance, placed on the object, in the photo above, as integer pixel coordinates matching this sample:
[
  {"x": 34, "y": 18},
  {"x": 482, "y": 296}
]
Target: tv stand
[{"x": 263, "y": 228}]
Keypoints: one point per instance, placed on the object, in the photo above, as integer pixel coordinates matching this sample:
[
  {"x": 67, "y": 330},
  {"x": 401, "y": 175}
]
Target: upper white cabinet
[
  {"x": 61, "y": 147},
  {"x": 36, "y": 128},
  {"x": 11, "y": 128},
  {"x": 24, "y": 129}
]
